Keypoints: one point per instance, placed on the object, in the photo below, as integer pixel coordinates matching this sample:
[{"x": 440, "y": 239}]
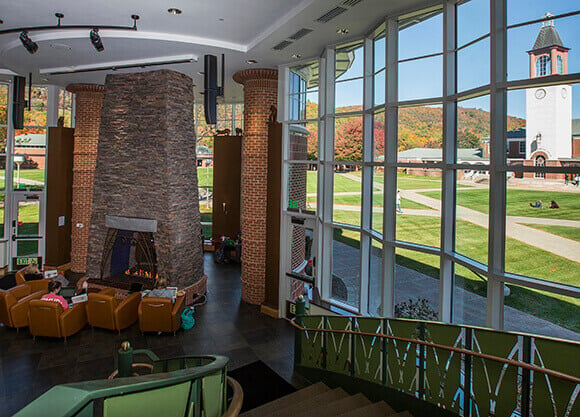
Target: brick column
[
  {"x": 260, "y": 93},
  {"x": 89, "y": 98}
]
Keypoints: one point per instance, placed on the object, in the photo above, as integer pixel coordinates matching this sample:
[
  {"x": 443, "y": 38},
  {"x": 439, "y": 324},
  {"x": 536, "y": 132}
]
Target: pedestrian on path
[{"x": 399, "y": 210}]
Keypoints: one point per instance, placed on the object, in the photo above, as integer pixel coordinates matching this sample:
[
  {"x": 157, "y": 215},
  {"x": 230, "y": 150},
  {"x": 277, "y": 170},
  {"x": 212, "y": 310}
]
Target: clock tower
[{"x": 548, "y": 108}]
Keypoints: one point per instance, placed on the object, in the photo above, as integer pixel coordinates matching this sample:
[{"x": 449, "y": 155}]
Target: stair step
[
  {"x": 312, "y": 404},
  {"x": 379, "y": 409},
  {"x": 332, "y": 409},
  {"x": 288, "y": 400}
]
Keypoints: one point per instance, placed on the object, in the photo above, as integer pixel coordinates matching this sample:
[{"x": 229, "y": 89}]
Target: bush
[{"x": 418, "y": 309}]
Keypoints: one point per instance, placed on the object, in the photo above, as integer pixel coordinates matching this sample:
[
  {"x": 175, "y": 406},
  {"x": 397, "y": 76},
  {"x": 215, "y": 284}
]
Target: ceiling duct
[
  {"x": 350, "y": 3},
  {"x": 327, "y": 17},
  {"x": 300, "y": 34},
  {"x": 282, "y": 45}
]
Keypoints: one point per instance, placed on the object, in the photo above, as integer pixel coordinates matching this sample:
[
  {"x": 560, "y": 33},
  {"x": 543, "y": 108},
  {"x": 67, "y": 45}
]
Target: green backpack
[{"x": 187, "y": 320}]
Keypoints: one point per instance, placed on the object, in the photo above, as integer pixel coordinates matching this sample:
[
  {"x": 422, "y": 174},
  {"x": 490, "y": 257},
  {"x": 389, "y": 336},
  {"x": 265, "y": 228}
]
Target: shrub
[{"x": 418, "y": 309}]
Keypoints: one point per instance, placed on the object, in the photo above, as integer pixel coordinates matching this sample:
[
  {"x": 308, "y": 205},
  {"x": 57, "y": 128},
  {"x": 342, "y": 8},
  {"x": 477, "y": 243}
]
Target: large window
[{"x": 414, "y": 202}]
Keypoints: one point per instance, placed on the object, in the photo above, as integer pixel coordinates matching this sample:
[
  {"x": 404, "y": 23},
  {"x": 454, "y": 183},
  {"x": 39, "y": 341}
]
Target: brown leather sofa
[
  {"x": 106, "y": 311},
  {"x": 14, "y": 304},
  {"x": 35, "y": 285},
  {"x": 158, "y": 314},
  {"x": 48, "y": 318}
]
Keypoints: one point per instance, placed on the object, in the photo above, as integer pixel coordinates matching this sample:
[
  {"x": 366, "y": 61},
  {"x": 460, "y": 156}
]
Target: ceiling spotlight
[
  {"x": 28, "y": 43},
  {"x": 96, "y": 40},
  {"x": 174, "y": 11},
  {"x": 342, "y": 31},
  {"x": 251, "y": 61}
]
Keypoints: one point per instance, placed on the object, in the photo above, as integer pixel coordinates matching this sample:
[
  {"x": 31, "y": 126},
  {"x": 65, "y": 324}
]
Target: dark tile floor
[{"x": 224, "y": 325}]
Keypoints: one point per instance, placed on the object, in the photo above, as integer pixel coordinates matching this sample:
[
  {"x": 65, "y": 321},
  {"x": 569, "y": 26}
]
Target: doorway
[{"x": 27, "y": 229}]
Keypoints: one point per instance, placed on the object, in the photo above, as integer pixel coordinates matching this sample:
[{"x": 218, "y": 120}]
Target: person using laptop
[{"x": 53, "y": 294}]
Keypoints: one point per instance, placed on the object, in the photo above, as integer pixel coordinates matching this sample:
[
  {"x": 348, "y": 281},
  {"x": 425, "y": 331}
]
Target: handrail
[
  {"x": 524, "y": 365},
  {"x": 237, "y": 400},
  {"x": 68, "y": 399}
]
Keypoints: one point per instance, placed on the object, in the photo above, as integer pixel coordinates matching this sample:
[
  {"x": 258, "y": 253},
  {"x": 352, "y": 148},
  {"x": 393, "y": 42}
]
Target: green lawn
[
  {"x": 518, "y": 202},
  {"x": 572, "y": 233},
  {"x": 205, "y": 177},
  {"x": 29, "y": 174},
  {"x": 472, "y": 242},
  {"x": 409, "y": 182},
  {"x": 355, "y": 200}
]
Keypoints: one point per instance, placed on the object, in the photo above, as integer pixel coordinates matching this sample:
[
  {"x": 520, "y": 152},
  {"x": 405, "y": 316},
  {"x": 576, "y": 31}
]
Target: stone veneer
[
  {"x": 146, "y": 168},
  {"x": 260, "y": 93},
  {"x": 88, "y": 101}
]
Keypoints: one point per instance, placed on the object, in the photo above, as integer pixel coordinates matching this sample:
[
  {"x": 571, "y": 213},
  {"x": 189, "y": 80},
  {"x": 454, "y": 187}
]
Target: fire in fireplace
[{"x": 129, "y": 256}]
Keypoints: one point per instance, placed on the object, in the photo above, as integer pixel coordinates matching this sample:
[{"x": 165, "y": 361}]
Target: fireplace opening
[{"x": 129, "y": 257}]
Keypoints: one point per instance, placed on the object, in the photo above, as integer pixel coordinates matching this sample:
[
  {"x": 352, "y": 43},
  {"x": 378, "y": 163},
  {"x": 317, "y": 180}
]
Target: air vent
[
  {"x": 331, "y": 14},
  {"x": 281, "y": 45},
  {"x": 351, "y": 3},
  {"x": 300, "y": 34}
]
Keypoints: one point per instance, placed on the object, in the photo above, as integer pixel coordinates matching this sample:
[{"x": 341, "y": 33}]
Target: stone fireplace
[{"x": 145, "y": 205}]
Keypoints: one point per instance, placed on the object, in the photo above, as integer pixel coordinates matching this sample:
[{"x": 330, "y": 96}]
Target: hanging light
[
  {"x": 28, "y": 43},
  {"x": 96, "y": 40}
]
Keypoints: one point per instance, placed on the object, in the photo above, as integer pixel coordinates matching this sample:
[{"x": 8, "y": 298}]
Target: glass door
[{"x": 27, "y": 229}]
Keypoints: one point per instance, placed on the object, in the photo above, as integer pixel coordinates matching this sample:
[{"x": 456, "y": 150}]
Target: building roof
[
  {"x": 30, "y": 140},
  {"x": 547, "y": 38},
  {"x": 517, "y": 133},
  {"x": 436, "y": 154}
]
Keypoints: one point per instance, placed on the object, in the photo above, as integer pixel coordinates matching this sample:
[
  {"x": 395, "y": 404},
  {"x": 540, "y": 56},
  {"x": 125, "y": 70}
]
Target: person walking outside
[{"x": 399, "y": 210}]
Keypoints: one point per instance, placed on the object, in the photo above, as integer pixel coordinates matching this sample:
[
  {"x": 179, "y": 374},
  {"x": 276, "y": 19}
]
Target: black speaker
[
  {"x": 210, "y": 89},
  {"x": 19, "y": 104}
]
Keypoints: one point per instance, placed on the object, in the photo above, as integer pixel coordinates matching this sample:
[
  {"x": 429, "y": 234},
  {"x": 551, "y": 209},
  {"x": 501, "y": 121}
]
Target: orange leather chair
[
  {"x": 14, "y": 305},
  {"x": 36, "y": 285},
  {"x": 106, "y": 311},
  {"x": 159, "y": 314},
  {"x": 48, "y": 318}
]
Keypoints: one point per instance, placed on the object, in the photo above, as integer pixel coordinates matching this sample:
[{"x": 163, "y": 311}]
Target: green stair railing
[
  {"x": 463, "y": 370},
  {"x": 178, "y": 387}
]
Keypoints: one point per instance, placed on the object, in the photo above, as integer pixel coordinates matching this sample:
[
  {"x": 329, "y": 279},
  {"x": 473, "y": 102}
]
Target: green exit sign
[{"x": 293, "y": 204}]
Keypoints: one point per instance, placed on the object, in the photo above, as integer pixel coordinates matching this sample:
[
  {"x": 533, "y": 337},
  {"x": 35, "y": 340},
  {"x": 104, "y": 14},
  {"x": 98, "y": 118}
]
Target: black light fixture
[
  {"x": 96, "y": 40},
  {"x": 28, "y": 43}
]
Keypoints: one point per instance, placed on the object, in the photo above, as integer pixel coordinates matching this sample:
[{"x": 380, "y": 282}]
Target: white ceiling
[{"x": 240, "y": 29}]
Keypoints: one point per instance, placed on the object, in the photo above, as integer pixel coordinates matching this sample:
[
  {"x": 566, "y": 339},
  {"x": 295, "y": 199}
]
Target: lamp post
[{"x": 18, "y": 159}]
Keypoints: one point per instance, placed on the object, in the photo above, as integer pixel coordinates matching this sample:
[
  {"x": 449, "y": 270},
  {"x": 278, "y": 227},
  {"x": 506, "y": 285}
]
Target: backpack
[{"x": 187, "y": 320}]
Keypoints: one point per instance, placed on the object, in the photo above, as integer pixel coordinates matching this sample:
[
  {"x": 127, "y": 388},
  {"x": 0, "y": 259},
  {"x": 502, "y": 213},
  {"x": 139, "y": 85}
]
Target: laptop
[{"x": 68, "y": 293}]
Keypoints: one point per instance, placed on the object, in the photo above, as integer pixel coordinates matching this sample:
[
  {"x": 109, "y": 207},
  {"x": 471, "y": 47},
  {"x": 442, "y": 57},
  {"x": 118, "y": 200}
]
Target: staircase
[{"x": 318, "y": 400}]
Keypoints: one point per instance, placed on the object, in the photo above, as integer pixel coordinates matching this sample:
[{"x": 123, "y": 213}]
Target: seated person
[
  {"x": 31, "y": 272},
  {"x": 553, "y": 204},
  {"x": 53, "y": 290},
  {"x": 82, "y": 285},
  {"x": 537, "y": 204},
  {"x": 161, "y": 290}
]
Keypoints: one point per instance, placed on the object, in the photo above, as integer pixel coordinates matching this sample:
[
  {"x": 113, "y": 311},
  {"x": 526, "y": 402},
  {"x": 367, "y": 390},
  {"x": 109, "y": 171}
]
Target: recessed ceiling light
[
  {"x": 296, "y": 56},
  {"x": 342, "y": 31},
  {"x": 173, "y": 10},
  {"x": 221, "y": 19},
  {"x": 251, "y": 61}
]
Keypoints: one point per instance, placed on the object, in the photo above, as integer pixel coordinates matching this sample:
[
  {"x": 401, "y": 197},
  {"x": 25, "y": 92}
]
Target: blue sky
[{"x": 423, "y": 78}]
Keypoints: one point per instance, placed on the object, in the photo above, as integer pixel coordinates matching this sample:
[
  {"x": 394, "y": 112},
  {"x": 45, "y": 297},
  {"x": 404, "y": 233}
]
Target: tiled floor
[{"x": 224, "y": 326}]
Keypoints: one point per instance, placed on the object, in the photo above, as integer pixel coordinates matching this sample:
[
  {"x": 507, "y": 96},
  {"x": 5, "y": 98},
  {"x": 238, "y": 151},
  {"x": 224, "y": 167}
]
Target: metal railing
[{"x": 467, "y": 370}]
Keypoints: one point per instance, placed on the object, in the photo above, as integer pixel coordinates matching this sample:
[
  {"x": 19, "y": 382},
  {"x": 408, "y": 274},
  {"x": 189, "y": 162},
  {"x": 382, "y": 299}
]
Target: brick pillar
[
  {"x": 89, "y": 98},
  {"x": 260, "y": 93}
]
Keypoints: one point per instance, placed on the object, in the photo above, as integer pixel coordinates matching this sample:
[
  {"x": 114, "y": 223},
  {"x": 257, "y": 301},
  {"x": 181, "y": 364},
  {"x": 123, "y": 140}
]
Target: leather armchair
[
  {"x": 48, "y": 318},
  {"x": 106, "y": 311},
  {"x": 36, "y": 285},
  {"x": 14, "y": 305},
  {"x": 158, "y": 314}
]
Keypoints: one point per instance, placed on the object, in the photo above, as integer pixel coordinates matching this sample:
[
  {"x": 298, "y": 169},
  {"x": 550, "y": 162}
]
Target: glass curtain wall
[{"x": 442, "y": 154}]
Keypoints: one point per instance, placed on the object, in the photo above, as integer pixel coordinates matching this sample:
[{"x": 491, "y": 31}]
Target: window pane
[
  {"x": 473, "y": 131},
  {"x": 379, "y": 53},
  {"x": 349, "y": 62},
  {"x": 301, "y": 183},
  {"x": 420, "y": 134},
  {"x": 375, "y": 278},
  {"x": 346, "y": 267},
  {"x": 349, "y": 96},
  {"x": 472, "y": 212},
  {"x": 379, "y": 136},
  {"x": 347, "y": 196},
  {"x": 2, "y": 211},
  {"x": 472, "y": 20},
  {"x": 65, "y": 108},
  {"x": 301, "y": 256},
  {"x": 421, "y": 78},
  {"x": 419, "y": 220},
  {"x": 416, "y": 285},
  {"x": 378, "y": 198},
  {"x": 473, "y": 65},
  {"x": 348, "y": 138},
  {"x": 29, "y": 162},
  {"x": 3, "y": 106},
  {"x": 421, "y": 35},
  {"x": 36, "y": 116},
  {"x": 469, "y": 297},
  {"x": 519, "y": 11},
  {"x": 379, "y": 86}
]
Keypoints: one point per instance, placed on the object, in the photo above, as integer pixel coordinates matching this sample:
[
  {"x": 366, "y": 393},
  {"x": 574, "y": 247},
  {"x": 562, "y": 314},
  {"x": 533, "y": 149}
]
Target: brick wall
[
  {"x": 89, "y": 98},
  {"x": 260, "y": 93},
  {"x": 146, "y": 168}
]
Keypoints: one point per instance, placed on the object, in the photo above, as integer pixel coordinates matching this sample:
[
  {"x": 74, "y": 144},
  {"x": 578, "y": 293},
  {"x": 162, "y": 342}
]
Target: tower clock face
[{"x": 540, "y": 93}]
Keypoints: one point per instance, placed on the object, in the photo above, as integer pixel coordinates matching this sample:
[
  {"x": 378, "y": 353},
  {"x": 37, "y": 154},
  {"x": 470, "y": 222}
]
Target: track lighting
[
  {"x": 96, "y": 40},
  {"x": 28, "y": 43}
]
